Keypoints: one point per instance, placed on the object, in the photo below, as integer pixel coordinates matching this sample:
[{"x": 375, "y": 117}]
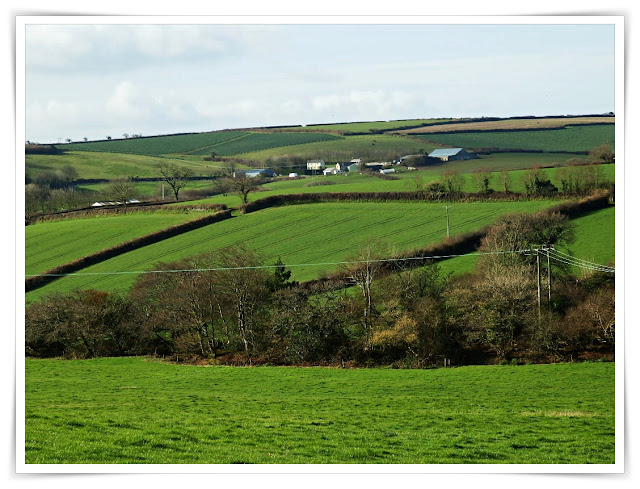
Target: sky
[{"x": 99, "y": 80}]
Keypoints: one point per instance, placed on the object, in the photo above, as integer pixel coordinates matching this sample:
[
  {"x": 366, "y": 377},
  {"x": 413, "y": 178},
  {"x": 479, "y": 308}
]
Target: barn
[{"x": 452, "y": 154}]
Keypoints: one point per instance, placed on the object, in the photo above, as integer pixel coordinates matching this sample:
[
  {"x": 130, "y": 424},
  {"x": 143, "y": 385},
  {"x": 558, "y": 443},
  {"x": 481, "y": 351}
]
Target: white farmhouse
[{"x": 316, "y": 165}]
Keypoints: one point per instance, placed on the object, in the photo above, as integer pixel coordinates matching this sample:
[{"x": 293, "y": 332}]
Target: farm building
[
  {"x": 261, "y": 172},
  {"x": 316, "y": 165},
  {"x": 342, "y": 167},
  {"x": 451, "y": 154},
  {"x": 353, "y": 167},
  {"x": 330, "y": 171}
]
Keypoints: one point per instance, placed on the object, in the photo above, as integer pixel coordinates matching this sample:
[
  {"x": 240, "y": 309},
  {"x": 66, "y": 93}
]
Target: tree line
[{"x": 227, "y": 307}]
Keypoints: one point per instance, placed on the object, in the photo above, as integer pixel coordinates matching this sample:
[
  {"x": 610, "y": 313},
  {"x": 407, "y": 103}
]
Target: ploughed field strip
[
  {"x": 511, "y": 124},
  {"x": 129, "y": 410},
  {"x": 301, "y": 234},
  {"x": 52, "y": 243}
]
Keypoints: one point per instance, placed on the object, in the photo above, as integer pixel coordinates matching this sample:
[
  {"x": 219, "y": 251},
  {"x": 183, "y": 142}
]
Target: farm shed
[
  {"x": 342, "y": 167},
  {"x": 329, "y": 171},
  {"x": 353, "y": 167},
  {"x": 316, "y": 165},
  {"x": 262, "y": 172},
  {"x": 451, "y": 154}
]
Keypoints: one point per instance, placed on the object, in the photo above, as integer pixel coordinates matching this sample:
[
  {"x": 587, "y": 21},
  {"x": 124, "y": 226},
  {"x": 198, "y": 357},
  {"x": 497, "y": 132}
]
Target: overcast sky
[{"x": 96, "y": 81}]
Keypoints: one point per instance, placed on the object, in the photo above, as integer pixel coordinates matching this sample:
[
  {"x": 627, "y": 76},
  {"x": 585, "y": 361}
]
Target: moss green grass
[
  {"x": 133, "y": 411},
  {"x": 52, "y": 243}
]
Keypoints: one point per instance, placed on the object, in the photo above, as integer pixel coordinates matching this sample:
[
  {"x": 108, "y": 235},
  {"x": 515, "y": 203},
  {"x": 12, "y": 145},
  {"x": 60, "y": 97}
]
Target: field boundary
[
  {"x": 84, "y": 212},
  {"x": 410, "y": 196},
  {"x": 48, "y": 276}
]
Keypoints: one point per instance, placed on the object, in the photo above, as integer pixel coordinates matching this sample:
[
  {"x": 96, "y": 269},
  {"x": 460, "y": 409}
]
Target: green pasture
[
  {"x": 137, "y": 411},
  {"x": 52, "y": 243},
  {"x": 570, "y": 138},
  {"x": 96, "y": 165},
  {"x": 150, "y": 189},
  {"x": 157, "y": 145},
  {"x": 317, "y": 234},
  {"x": 263, "y": 141},
  {"x": 594, "y": 242},
  {"x": 595, "y": 238},
  {"x": 375, "y": 147},
  {"x": 351, "y": 127}
]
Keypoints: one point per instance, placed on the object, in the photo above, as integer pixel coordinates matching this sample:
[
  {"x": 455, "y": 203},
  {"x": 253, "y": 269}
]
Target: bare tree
[
  {"x": 121, "y": 190},
  {"x": 175, "y": 176},
  {"x": 243, "y": 185},
  {"x": 365, "y": 267}
]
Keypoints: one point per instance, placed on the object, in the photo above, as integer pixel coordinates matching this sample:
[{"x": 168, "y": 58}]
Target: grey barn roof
[{"x": 437, "y": 153}]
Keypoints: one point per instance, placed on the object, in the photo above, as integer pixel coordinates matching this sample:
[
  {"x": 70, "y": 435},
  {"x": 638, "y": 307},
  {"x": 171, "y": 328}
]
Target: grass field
[
  {"x": 90, "y": 165},
  {"x": 594, "y": 241},
  {"x": 151, "y": 189},
  {"x": 128, "y": 410},
  {"x": 572, "y": 138},
  {"x": 351, "y": 127},
  {"x": 157, "y": 145},
  {"x": 301, "y": 234},
  {"x": 48, "y": 244},
  {"x": 595, "y": 237},
  {"x": 512, "y": 124},
  {"x": 263, "y": 141},
  {"x": 373, "y": 148}
]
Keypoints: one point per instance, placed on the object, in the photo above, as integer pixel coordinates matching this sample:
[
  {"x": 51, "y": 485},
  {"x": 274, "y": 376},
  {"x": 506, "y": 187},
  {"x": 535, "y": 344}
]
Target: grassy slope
[
  {"x": 157, "y": 145},
  {"x": 594, "y": 241},
  {"x": 595, "y": 237},
  {"x": 48, "y": 244},
  {"x": 127, "y": 410},
  {"x": 573, "y": 138},
  {"x": 350, "y": 127},
  {"x": 91, "y": 165},
  {"x": 314, "y": 233},
  {"x": 371, "y": 147}
]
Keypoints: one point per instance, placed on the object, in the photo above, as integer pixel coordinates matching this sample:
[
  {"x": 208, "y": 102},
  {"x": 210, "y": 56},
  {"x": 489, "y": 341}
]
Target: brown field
[{"x": 509, "y": 124}]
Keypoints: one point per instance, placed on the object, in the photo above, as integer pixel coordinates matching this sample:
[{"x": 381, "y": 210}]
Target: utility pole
[
  {"x": 539, "y": 281},
  {"x": 163, "y": 191},
  {"x": 549, "y": 272},
  {"x": 447, "y": 209}
]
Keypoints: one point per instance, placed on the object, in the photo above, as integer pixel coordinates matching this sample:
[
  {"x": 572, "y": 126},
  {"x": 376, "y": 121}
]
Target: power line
[
  {"x": 580, "y": 260},
  {"x": 598, "y": 268},
  {"x": 257, "y": 267}
]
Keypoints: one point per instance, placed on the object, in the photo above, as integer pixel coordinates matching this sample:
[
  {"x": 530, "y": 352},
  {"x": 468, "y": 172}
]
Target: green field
[
  {"x": 301, "y": 234},
  {"x": 95, "y": 165},
  {"x": 48, "y": 244},
  {"x": 351, "y": 127},
  {"x": 151, "y": 189},
  {"x": 571, "y": 138},
  {"x": 157, "y": 145},
  {"x": 128, "y": 410},
  {"x": 594, "y": 242},
  {"x": 264, "y": 141},
  {"x": 595, "y": 237},
  {"x": 373, "y": 148}
]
